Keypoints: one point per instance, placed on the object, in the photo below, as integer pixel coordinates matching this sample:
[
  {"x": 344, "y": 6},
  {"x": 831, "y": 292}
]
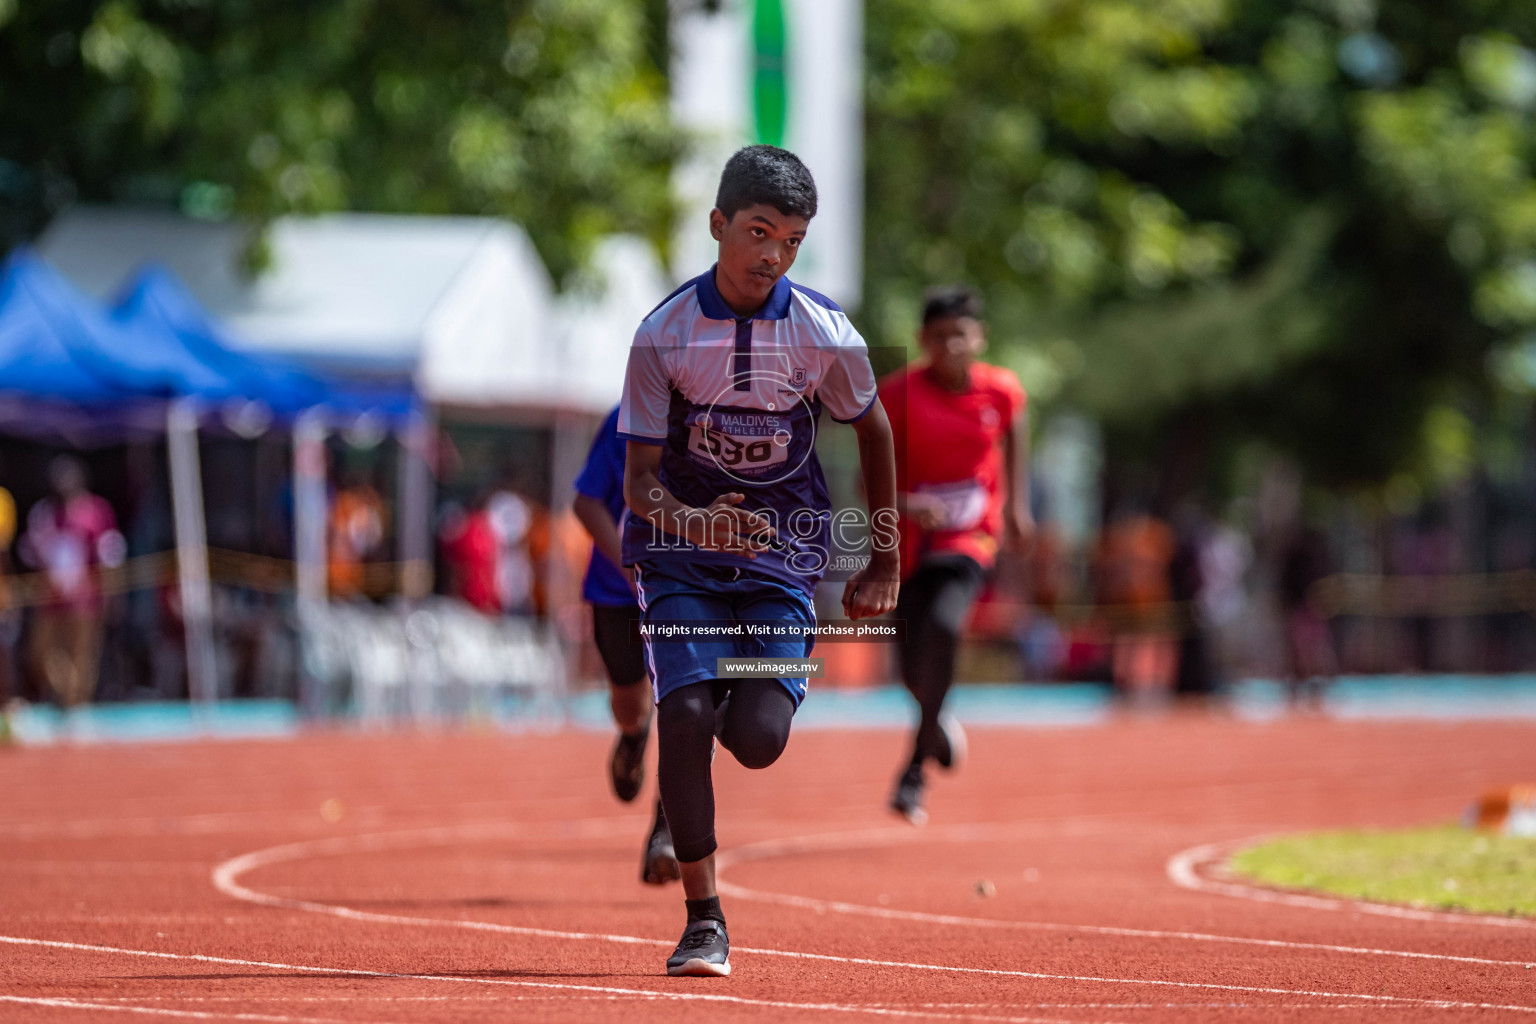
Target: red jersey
[{"x": 950, "y": 446}]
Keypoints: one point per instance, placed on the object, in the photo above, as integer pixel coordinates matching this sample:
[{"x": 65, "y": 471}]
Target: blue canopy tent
[
  {"x": 193, "y": 355},
  {"x": 72, "y": 369},
  {"x": 62, "y": 351},
  {"x": 190, "y": 354},
  {"x": 46, "y": 386}
]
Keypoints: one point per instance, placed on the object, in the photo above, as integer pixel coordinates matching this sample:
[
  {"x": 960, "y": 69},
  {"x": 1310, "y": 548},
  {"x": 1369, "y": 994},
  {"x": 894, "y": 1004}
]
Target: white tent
[
  {"x": 596, "y": 323},
  {"x": 462, "y": 304}
]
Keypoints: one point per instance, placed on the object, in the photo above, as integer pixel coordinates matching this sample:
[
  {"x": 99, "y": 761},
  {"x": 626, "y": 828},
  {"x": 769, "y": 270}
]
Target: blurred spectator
[
  {"x": 10, "y": 618},
  {"x": 557, "y": 551},
  {"x": 1132, "y": 562},
  {"x": 70, "y": 535},
  {"x": 1195, "y": 673},
  {"x": 1224, "y": 562},
  {"x": 356, "y": 531},
  {"x": 494, "y": 552},
  {"x": 512, "y": 519},
  {"x": 1223, "y": 603},
  {"x": 1310, "y": 660},
  {"x": 1423, "y": 546},
  {"x": 1042, "y": 644},
  {"x": 470, "y": 549}
]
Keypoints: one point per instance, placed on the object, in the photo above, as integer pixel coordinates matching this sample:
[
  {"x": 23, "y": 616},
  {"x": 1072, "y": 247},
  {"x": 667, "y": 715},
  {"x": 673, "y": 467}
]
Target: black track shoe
[
  {"x": 626, "y": 769},
  {"x": 907, "y": 800},
  {"x": 659, "y": 864},
  {"x": 704, "y": 952},
  {"x": 950, "y": 747}
]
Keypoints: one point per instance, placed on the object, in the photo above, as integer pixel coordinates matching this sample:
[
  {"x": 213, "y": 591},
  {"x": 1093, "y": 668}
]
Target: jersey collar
[{"x": 714, "y": 307}]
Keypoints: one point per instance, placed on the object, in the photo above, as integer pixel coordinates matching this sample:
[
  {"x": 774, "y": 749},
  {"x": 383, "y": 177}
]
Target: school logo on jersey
[{"x": 796, "y": 382}]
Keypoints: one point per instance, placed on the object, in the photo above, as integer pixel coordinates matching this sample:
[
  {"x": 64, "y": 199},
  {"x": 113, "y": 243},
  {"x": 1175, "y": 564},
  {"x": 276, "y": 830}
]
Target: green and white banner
[{"x": 785, "y": 72}]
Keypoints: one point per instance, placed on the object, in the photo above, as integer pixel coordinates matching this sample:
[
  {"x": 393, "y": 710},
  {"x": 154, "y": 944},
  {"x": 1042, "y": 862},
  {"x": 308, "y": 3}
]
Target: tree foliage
[
  {"x": 1304, "y": 222},
  {"x": 550, "y": 112},
  {"x": 1308, "y": 222}
]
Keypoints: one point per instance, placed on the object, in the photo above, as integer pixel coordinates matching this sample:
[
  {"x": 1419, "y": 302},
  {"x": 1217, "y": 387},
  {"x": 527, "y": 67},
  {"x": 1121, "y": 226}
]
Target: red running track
[{"x": 492, "y": 878}]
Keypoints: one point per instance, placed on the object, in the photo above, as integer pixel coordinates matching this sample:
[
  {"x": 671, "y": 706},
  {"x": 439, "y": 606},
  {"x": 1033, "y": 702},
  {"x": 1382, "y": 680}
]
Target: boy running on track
[
  {"x": 729, "y": 513},
  {"x": 610, "y": 590},
  {"x": 961, "y": 443}
]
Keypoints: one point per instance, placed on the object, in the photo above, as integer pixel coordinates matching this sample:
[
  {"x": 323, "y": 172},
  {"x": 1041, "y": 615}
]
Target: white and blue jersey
[{"x": 735, "y": 402}]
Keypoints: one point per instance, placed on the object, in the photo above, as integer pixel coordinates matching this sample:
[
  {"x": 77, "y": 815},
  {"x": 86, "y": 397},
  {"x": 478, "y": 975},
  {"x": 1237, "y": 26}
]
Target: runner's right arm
[
  {"x": 720, "y": 527},
  {"x": 643, "y": 424}
]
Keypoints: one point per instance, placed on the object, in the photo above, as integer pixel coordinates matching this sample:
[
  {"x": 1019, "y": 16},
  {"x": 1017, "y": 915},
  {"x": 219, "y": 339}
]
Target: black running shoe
[
  {"x": 950, "y": 746},
  {"x": 704, "y": 951},
  {"x": 626, "y": 768},
  {"x": 659, "y": 864},
  {"x": 907, "y": 800}
]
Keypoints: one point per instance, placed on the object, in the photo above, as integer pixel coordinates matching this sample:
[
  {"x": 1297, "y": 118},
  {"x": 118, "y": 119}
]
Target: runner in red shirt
[{"x": 961, "y": 445}]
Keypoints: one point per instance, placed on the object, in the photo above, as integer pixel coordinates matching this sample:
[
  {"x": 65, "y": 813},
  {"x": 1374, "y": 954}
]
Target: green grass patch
[{"x": 1452, "y": 868}]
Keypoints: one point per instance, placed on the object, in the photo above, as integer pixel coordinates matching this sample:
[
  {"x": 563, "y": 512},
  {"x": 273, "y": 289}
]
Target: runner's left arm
[
  {"x": 1018, "y": 523},
  {"x": 872, "y": 590},
  {"x": 850, "y": 393}
]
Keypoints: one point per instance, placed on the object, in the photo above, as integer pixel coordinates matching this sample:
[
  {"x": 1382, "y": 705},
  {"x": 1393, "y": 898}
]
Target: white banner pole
[
  {"x": 192, "y": 551},
  {"x": 309, "y": 512}
]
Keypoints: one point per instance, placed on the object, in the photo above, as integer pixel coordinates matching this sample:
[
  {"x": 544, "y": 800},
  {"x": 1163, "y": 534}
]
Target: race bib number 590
[{"x": 741, "y": 442}]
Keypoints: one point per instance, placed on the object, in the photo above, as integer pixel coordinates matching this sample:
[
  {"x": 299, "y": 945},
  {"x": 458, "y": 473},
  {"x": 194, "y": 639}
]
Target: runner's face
[
  {"x": 757, "y": 247},
  {"x": 68, "y": 479},
  {"x": 952, "y": 344}
]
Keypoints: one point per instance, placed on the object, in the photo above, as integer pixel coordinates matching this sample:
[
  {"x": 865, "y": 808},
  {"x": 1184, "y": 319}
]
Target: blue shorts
[{"x": 685, "y": 592}]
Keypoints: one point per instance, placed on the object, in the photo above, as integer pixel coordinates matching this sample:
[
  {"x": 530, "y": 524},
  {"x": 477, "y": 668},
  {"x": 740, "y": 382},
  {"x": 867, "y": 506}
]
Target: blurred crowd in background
[{"x": 1159, "y": 604}]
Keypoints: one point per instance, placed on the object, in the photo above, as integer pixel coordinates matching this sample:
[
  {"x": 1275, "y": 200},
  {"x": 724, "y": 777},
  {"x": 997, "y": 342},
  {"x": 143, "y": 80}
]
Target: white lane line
[
  {"x": 706, "y": 997},
  {"x": 226, "y": 879},
  {"x": 132, "y": 919},
  {"x": 234, "y": 822},
  {"x": 184, "y": 824},
  {"x": 1161, "y": 1006},
  {"x": 1166, "y": 1006},
  {"x": 160, "y": 1011},
  {"x": 347, "y": 997},
  {"x": 964, "y": 833},
  {"x": 1184, "y": 870},
  {"x": 102, "y": 867}
]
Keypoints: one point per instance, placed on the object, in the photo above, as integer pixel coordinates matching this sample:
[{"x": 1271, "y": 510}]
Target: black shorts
[
  {"x": 940, "y": 591},
  {"x": 622, "y": 651}
]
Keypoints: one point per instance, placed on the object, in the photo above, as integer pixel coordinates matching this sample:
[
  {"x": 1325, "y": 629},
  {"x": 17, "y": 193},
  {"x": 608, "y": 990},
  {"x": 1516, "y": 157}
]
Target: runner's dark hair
[
  {"x": 769, "y": 176},
  {"x": 951, "y": 301}
]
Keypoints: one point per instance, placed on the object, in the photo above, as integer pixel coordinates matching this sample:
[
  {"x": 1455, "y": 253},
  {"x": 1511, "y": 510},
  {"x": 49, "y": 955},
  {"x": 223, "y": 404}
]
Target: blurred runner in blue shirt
[{"x": 610, "y": 590}]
